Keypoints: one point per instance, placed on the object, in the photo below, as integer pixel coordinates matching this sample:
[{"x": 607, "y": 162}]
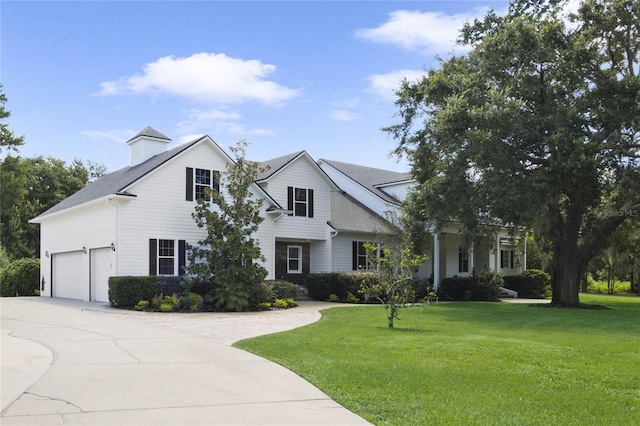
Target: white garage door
[
  {"x": 100, "y": 273},
  {"x": 67, "y": 275}
]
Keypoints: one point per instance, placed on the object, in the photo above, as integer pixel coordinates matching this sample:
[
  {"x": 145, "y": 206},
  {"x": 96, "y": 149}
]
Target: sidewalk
[{"x": 71, "y": 362}]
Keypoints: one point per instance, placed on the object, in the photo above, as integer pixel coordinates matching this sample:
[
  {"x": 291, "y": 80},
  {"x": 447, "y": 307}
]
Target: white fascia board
[{"x": 84, "y": 206}]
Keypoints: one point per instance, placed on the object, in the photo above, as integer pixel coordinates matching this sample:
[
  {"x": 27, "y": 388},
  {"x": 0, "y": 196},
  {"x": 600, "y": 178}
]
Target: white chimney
[{"x": 146, "y": 144}]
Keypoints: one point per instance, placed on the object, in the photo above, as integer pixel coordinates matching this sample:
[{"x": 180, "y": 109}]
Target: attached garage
[
  {"x": 101, "y": 267},
  {"x": 67, "y": 275}
]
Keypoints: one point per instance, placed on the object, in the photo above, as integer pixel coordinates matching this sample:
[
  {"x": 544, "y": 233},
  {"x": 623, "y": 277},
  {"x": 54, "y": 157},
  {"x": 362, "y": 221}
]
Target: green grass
[{"x": 473, "y": 363}]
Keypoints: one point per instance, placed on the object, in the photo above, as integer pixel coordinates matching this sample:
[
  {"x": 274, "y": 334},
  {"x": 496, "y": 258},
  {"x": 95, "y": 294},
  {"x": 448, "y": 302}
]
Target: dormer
[{"x": 147, "y": 143}]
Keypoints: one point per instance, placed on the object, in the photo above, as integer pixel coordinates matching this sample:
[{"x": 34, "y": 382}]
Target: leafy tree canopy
[
  {"x": 537, "y": 125},
  {"x": 7, "y": 138},
  {"x": 229, "y": 257},
  {"x": 31, "y": 186}
]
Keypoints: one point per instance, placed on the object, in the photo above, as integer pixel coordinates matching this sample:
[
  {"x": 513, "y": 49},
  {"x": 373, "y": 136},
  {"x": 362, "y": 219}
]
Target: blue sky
[{"x": 83, "y": 77}]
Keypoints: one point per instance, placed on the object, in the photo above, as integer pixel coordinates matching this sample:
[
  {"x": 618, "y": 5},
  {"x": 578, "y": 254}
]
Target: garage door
[
  {"x": 100, "y": 273},
  {"x": 67, "y": 275}
]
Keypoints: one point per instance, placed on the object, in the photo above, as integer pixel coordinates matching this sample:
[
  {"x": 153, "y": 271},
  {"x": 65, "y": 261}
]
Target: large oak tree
[{"x": 538, "y": 125}]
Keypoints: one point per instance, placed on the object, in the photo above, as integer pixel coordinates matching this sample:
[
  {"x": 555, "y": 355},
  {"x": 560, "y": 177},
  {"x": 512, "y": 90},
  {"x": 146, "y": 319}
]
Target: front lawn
[{"x": 470, "y": 363}]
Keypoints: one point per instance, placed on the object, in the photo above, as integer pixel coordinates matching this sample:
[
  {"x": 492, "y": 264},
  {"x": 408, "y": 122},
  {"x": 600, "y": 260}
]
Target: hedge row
[
  {"x": 468, "y": 288},
  {"x": 322, "y": 286},
  {"x": 532, "y": 283},
  {"x": 127, "y": 291}
]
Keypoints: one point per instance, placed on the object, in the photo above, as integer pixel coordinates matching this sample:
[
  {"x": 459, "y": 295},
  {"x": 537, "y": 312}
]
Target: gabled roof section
[
  {"x": 371, "y": 178},
  {"x": 277, "y": 164},
  {"x": 117, "y": 182},
  {"x": 274, "y": 165},
  {"x": 150, "y": 132},
  {"x": 349, "y": 215}
]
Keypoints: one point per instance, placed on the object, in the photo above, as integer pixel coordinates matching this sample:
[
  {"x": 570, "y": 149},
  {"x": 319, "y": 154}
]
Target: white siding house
[{"x": 137, "y": 220}]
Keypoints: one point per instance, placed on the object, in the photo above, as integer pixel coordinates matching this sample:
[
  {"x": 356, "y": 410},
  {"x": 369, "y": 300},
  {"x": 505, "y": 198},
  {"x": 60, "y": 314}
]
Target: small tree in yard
[
  {"x": 389, "y": 273},
  {"x": 227, "y": 259}
]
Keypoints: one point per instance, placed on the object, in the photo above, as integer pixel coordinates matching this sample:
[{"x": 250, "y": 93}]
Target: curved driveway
[{"x": 71, "y": 362}]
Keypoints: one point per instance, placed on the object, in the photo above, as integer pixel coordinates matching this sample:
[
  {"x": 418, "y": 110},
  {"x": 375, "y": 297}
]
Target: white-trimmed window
[
  {"x": 197, "y": 182},
  {"x": 359, "y": 253},
  {"x": 166, "y": 257},
  {"x": 463, "y": 260},
  {"x": 507, "y": 259},
  {"x": 300, "y": 201},
  {"x": 294, "y": 259}
]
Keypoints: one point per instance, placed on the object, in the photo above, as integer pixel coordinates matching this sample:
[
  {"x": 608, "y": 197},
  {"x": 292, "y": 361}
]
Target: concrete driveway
[{"x": 71, "y": 362}]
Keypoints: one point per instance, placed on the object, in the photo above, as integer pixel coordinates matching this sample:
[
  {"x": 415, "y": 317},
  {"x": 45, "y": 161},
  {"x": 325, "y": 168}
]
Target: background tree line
[{"x": 28, "y": 187}]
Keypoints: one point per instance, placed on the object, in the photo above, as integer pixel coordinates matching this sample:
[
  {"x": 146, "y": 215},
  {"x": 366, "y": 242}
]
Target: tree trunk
[{"x": 567, "y": 271}]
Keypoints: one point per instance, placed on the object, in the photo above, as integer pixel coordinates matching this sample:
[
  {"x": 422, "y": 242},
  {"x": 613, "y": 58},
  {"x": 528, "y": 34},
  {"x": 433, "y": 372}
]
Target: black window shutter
[
  {"x": 502, "y": 258},
  {"x": 153, "y": 257},
  {"x": 512, "y": 259},
  {"x": 216, "y": 181},
  {"x": 354, "y": 250},
  {"x": 189, "y": 184},
  {"x": 310, "y": 202},
  {"x": 290, "y": 199},
  {"x": 181, "y": 256}
]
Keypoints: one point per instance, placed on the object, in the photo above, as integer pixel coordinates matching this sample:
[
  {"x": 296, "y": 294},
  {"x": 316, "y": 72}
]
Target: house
[{"x": 137, "y": 220}]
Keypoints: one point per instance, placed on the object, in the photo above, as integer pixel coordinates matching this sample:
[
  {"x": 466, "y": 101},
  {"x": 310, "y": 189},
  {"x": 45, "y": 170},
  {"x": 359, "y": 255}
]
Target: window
[
  {"x": 507, "y": 259},
  {"x": 166, "y": 257},
  {"x": 463, "y": 260},
  {"x": 360, "y": 260},
  {"x": 294, "y": 259},
  {"x": 197, "y": 182},
  {"x": 300, "y": 201},
  {"x": 203, "y": 181}
]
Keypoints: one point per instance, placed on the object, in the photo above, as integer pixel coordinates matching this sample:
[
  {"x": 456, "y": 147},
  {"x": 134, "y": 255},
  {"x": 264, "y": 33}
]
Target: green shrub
[
  {"x": 532, "y": 283},
  {"x": 127, "y": 291},
  {"x": 264, "y": 306},
  {"x": 602, "y": 287},
  {"x": 157, "y": 300},
  {"x": 192, "y": 302},
  {"x": 455, "y": 288},
  {"x": 141, "y": 305},
  {"x": 172, "y": 284},
  {"x": 482, "y": 287},
  {"x": 333, "y": 298},
  {"x": 284, "y": 289},
  {"x": 166, "y": 307},
  {"x": 320, "y": 286},
  {"x": 351, "y": 298},
  {"x": 488, "y": 286},
  {"x": 260, "y": 293},
  {"x": 284, "y": 303},
  {"x": 20, "y": 278}
]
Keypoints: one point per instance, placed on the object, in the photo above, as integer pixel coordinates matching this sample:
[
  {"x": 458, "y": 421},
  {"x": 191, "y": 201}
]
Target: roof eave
[{"x": 119, "y": 196}]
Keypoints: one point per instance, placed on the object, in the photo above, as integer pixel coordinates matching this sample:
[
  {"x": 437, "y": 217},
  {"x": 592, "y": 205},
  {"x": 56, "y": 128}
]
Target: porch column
[
  {"x": 436, "y": 260},
  {"x": 524, "y": 254},
  {"x": 471, "y": 263}
]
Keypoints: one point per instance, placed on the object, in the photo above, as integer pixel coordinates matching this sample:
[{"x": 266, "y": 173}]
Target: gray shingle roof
[
  {"x": 151, "y": 132},
  {"x": 370, "y": 177},
  {"x": 118, "y": 181},
  {"x": 347, "y": 214},
  {"x": 276, "y": 164}
]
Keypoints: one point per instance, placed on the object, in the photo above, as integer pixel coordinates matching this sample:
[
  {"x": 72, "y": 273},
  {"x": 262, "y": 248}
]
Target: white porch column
[
  {"x": 524, "y": 253},
  {"x": 436, "y": 260},
  {"x": 471, "y": 264}
]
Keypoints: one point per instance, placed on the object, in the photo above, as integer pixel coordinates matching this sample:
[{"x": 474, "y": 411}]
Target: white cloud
[
  {"x": 117, "y": 136},
  {"x": 386, "y": 85},
  {"x": 204, "y": 77},
  {"x": 343, "y": 115},
  {"x": 217, "y": 121},
  {"x": 426, "y": 32}
]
